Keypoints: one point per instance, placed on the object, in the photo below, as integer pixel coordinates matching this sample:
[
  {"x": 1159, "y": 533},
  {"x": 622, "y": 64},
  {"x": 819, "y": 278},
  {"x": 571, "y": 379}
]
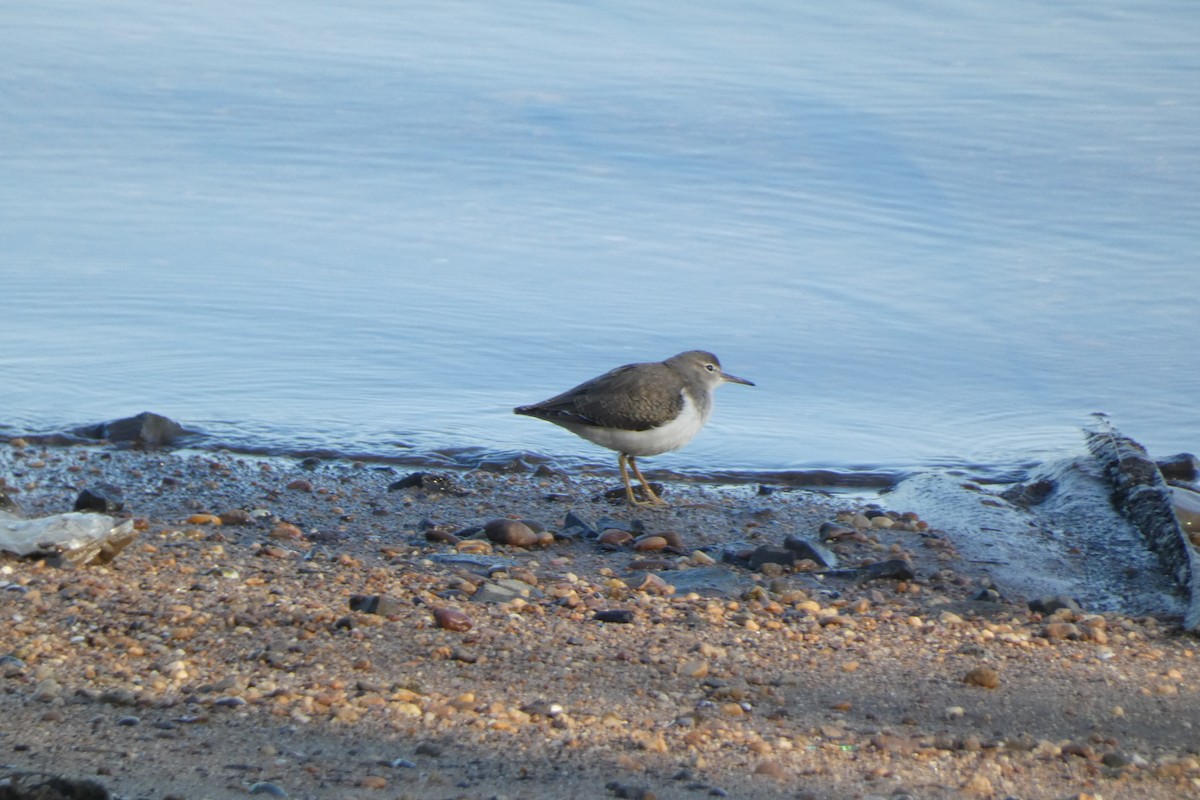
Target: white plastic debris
[{"x": 75, "y": 537}]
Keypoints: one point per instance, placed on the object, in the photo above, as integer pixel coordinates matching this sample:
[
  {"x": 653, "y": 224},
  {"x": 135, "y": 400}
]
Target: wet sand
[{"x": 219, "y": 655}]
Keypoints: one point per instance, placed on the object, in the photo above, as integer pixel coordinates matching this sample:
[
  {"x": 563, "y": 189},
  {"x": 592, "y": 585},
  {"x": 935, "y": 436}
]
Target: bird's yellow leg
[
  {"x": 622, "y": 459},
  {"x": 654, "y": 498}
]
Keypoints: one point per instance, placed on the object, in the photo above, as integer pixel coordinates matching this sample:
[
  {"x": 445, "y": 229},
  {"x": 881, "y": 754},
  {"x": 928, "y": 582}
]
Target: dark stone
[
  {"x": 431, "y": 482},
  {"x": 1051, "y": 603},
  {"x": 737, "y": 553},
  {"x": 145, "y": 430},
  {"x": 894, "y": 568},
  {"x": 766, "y": 554},
  {"x": 618, "y": 493},
  {"x": 651, "y": 565},
  {"x": 502, "y": 465},
  {"x": 312, "y": 462},
  {"x": 102, "y": 497},
  {"x": 441, "y": 534},
  {"x": 633, "y": 525},
  {"x": 627, "y": 792},
  {"x": 40, "y": 786},
  {"x": 802, "y": 548},
  {"x": 619, "y": 615},
  {"x": 375, "y": 604},
  {"x": 575, "y": 526},
  {"x": 835, "y": 530},
  {"x": 988, "y": 595},
  {"x": 1027, "y": 495},
  {"x": 1179, "y": 467},
  {"x": 428, "y": 749}
]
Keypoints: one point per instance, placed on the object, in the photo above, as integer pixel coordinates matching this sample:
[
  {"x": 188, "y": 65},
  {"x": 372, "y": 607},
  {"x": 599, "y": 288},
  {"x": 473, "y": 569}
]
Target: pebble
[
  {"x": 1051, "y": 603},
  {"x": 441, "y": 534},
  {"x": 266, "y": 787},
  {"x": 451, "y": 619},
  {"x": 376, "y": 604},
  {"x": 986, "y": 677},
  {"x": 286, "y": 531},
  {"x": 626, "y": 792},
  {"x": 11, "y": 666},
  {"x": 835, "y": 530},
  {"x": 674, "y": 540},
  {"x": 47, "y": 690},
  {"x": 494, "y": 593},
  {"x": 428, "y": 749},
  {"x": 431, "y": 483},
  {"x": 618, "y": 615},
  {"x": 235, "y": 516},
  {"x": 473, "y": 547},
  {"x": 771, "y": 769},
  {"x": 542, "y": 708},
  {"x": 504, "y": 591},
  {"x": 1061, "y": 630},
  {"x": 650, "y": 544},
  {"x": 511, "y": 532},
  {"x": 118, "y": 697},
  {"x": 614, "y": 538}
]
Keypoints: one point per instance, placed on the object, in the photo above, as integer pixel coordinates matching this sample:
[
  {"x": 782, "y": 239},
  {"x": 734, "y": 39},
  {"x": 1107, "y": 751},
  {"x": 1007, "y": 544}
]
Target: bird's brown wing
[{"x": 635, "y": 397}]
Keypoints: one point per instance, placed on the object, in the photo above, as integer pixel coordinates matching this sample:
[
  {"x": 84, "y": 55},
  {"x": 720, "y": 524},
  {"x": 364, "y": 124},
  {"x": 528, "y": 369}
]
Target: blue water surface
[{"x": 933, "y": 233}]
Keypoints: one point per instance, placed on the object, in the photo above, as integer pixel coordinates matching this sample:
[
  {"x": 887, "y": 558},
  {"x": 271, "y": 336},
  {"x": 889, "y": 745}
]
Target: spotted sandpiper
[{"x": 640, "y": 409}]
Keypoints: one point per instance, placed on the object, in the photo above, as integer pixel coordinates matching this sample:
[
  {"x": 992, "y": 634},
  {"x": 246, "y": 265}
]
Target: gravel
[{"x": 292, "y": 632}]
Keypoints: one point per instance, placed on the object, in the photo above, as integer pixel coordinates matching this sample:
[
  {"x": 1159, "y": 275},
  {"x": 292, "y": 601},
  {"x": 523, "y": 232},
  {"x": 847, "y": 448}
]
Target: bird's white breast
[{"x": 651, "y": 442}]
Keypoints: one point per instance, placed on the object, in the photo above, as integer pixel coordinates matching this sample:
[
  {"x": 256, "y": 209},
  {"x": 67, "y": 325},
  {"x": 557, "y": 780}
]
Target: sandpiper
[{"x": 640, "y": 409}]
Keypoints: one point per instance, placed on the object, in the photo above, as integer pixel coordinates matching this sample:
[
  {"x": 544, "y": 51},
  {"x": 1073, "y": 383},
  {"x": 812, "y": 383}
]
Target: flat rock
[
  {"x": 804, "y": 549},
  {"x": 709, "y": 581}
]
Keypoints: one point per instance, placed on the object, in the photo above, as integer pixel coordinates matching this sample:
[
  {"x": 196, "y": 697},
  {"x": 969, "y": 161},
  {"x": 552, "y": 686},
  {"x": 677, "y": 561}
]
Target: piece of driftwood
[{"x": 1142, "y": 496}]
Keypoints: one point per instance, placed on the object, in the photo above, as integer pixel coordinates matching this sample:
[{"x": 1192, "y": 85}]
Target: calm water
[{"x": 932, "y": 233}]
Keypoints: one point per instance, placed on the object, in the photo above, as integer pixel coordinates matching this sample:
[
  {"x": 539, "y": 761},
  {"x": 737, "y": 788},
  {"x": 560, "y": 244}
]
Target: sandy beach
[{"x": 314, "y": 630}]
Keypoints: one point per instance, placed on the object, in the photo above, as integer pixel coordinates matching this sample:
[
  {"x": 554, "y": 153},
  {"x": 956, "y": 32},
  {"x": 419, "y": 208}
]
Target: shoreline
[
  {"x": 227, "y": 656},
  {"x": 156, "y": 430}
]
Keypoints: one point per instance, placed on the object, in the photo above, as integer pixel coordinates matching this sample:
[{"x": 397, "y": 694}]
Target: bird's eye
[{"x": 711, "y": 367}]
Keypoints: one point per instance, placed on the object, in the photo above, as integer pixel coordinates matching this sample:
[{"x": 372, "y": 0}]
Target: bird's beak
[{"x": 735, "y": 379}]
